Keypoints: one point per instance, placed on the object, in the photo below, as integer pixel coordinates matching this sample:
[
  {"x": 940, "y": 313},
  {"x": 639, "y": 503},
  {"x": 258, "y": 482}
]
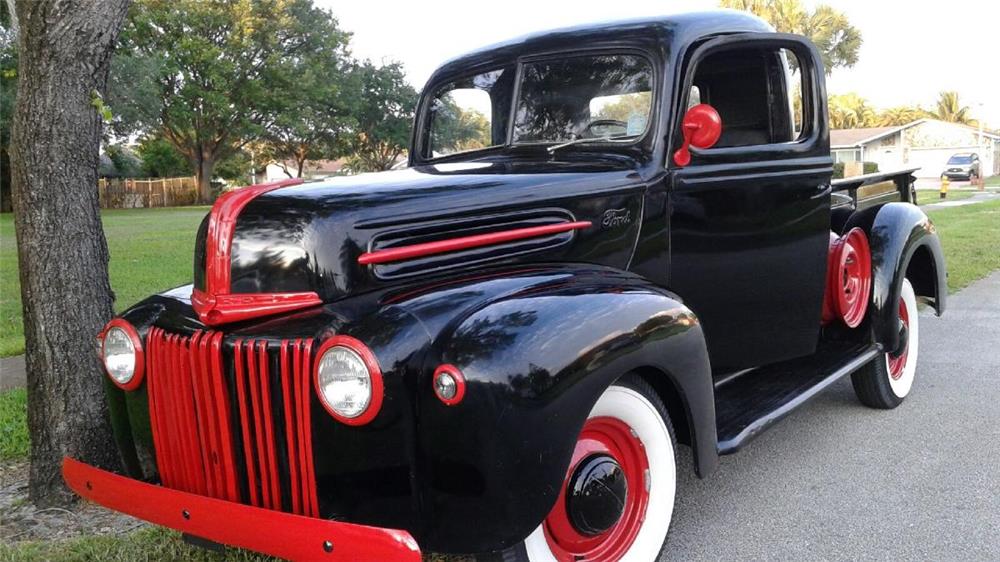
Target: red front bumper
[{"x": 285, "y": 535}]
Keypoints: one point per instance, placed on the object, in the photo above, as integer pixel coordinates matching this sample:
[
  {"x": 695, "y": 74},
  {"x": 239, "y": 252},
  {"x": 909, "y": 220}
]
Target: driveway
[{"x": 838, "y": 481}]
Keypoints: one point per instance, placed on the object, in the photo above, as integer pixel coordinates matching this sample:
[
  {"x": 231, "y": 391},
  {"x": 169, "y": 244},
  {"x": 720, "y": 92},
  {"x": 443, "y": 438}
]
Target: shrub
[
  {"x": 838, "y": 170},
  {"x": 870, "y": 167}
]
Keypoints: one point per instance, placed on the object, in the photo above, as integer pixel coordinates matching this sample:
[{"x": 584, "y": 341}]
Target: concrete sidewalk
[
  {"x": 979, "y": 197},
  {"x": 12, "y": 374}
]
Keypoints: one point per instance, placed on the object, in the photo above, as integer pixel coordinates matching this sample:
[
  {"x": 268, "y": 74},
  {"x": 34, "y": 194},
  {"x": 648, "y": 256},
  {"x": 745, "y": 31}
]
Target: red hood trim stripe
[
  {"x": 412, "y": 251},
  {"x": 216, "y": 305}
]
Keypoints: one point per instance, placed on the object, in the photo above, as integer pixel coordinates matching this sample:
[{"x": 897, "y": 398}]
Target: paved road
[{"x": 837, "y": 481}]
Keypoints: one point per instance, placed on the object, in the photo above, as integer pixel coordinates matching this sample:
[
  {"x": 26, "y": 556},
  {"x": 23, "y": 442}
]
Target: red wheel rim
[
  {"x": 609, "y": 436},
  {"x": 854, "y": 277},
  {"x": 898, "y": 364}
]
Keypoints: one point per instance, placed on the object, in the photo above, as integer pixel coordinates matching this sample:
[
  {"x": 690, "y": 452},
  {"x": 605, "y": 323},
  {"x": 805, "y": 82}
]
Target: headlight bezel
[
  {"x": 139, "y": 369},
  {"x": 374, "y": 375}
]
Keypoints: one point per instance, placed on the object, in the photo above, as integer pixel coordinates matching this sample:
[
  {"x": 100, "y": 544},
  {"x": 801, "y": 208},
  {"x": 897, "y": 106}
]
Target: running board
[{"x": 748, "y": 404}]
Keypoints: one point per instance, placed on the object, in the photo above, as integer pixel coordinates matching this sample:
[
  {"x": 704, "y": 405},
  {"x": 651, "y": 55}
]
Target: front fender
[
  {"x": 904, "y": 243},
  {"x": 537, "y": 350}
]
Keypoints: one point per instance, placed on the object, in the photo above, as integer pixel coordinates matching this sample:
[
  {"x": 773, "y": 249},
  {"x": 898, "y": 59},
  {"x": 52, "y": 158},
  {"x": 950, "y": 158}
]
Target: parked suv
[{"x": 964, "y": 166}]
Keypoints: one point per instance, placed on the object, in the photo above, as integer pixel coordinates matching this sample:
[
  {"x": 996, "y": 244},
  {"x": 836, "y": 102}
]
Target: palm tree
[
  {"x": 950, "y": 109},
  {"x": 851, "y": 111},
  {"x": 901, "y": 115},
  {"x": 837, "y": 40}
]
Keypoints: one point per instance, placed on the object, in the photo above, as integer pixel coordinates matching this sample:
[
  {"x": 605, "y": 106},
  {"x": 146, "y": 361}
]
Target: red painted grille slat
[
  {"x": 291, "y": 435},
  {"x": 203, "y": 433},
  {"x": 222, "y": 413},
  {"x": 304, "y": 376},
  {"x": 245, "y": 422},
  {"x": 176, "y": 385},
  {"x": 258, "y": 431},
  {"x": 156, "y": 411},
  {"x": 192, "y": 418}
]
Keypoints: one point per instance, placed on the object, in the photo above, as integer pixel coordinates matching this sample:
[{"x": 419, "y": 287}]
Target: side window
[
  {"x": 757, "y": 92},
  {"x": 462, "y": 114}
]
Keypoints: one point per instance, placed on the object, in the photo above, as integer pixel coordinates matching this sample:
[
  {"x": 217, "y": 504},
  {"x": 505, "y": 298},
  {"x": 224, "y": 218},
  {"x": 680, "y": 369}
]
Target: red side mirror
[{"x": 701, "y": 129}]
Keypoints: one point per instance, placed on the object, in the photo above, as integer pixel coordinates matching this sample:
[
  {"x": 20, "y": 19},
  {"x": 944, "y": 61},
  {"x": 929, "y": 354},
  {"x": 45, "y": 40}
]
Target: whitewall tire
[
  {"x": 631, "y": 426},
  {"x": 887, "y": 380}
]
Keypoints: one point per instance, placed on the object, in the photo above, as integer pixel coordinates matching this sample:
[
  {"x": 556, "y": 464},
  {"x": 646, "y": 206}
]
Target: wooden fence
[{"x": 133, "y": 193}]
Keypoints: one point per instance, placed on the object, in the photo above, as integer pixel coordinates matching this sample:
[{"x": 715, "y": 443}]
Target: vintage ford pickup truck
[{"x": 498, "y": 350}]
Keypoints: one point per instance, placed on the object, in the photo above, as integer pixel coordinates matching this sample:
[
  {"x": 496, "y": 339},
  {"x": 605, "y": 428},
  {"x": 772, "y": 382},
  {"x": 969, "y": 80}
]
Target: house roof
[
  {"x": 843, "y": 138},
  {"x": 851, "y": 138},
  {"x": 325, "y": 165}
]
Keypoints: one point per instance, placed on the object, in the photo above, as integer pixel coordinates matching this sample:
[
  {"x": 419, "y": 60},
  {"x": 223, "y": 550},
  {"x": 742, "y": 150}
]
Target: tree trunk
[
  {"x": 204, "y": 167},
  {"x": 301, "y": 163},
  {"x": 65, "y": 49}
]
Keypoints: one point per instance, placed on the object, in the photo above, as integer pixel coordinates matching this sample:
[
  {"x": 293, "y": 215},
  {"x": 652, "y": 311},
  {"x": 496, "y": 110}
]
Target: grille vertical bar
[
  {"x": 214, "y": 352},
  {"x": 304, "y": 378}
]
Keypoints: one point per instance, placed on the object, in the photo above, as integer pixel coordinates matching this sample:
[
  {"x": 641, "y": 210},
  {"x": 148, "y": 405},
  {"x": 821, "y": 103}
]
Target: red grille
[{"x": 200, "y": 441}]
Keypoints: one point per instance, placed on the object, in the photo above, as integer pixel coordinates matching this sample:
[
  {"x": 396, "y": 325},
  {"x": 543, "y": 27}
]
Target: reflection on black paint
[{"x": 555, "y": 96}]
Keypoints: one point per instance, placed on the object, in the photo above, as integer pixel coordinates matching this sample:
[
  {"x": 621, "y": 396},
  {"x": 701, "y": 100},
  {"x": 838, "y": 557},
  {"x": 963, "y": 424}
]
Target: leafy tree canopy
[
  {"x": 384, "y": 117},
  {"x": 225, "y": 71},
  {"x": 160, "y": 159},
  {"x": 626, "y": 106},
  {"x": 849, "y": 111},
  {"x": 457, "y": 130},
  {"x": 322, "y": 118},
  {"x": 837, "y": 40}
]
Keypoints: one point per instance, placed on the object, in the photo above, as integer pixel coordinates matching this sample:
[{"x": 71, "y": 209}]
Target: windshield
[
  {"x": 598, "y": 97},
  {"x": 959, "y": 159}
]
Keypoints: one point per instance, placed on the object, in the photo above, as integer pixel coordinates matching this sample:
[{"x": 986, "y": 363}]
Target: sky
[{"x": 910, "y": 52}]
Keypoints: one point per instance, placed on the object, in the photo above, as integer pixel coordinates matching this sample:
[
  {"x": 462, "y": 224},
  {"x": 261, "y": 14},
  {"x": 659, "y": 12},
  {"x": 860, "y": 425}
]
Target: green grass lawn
[
  {"x": 970, "y": 236},
  {"x": 993, "y": 181},
  {"x": 150, "y": 543},
  {"x": 151, "y": 250},
  {"x": 14, "y": 424}
]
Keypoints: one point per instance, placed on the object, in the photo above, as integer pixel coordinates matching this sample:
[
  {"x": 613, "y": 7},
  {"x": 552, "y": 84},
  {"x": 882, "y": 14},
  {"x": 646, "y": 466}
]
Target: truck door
[{"x": 750, "y": 216}]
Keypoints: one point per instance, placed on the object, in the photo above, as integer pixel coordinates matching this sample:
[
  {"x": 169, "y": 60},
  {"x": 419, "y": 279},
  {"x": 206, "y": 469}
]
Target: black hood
[{"x": 309, "y": 237}]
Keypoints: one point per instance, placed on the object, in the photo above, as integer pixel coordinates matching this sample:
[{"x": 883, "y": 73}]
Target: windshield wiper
[{"x": 556, "y": 147}]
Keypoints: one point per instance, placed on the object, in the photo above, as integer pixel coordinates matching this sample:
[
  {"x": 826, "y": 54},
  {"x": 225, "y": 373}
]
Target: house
[
  {"x": 314, "y": 169},
  {"x": 924, "y": 143}
]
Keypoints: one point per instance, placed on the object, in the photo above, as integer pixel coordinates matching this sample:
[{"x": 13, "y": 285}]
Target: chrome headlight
[
  {"x": 348, "y": 380},
  {"x": 121, "y": 353}
]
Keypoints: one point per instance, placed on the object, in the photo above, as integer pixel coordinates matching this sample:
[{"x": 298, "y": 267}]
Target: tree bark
[
  {"x": 65, "y": 49},
  {"x": 204, "y": 167}
]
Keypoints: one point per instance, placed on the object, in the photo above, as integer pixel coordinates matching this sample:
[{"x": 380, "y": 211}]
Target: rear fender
[
  {"x": 536, "y": 355},
  {"x": 904, "y": 244}
]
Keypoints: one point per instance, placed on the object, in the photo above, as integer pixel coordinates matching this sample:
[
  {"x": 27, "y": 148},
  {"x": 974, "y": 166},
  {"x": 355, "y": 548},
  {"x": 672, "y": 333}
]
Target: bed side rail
[{"x": 855, "y": 186}]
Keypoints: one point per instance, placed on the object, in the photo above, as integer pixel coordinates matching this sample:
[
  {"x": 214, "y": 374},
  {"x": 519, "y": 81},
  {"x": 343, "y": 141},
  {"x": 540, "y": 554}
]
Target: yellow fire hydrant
[{"x": 944, "y": 186}]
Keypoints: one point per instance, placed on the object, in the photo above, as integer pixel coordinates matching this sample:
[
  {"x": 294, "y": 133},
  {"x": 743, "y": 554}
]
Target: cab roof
[{"x": 665, "y": 33}]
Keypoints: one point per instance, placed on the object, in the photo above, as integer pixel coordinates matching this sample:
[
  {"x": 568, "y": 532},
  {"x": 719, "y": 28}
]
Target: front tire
[
  {"x": 884, "y": 382},
  {"x": 630, "y": 425}
]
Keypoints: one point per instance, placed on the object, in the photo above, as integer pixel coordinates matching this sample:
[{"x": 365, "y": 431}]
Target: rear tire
[
  {"x": 630, "y": 403},
  {"x": 885, "y": 381}
]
